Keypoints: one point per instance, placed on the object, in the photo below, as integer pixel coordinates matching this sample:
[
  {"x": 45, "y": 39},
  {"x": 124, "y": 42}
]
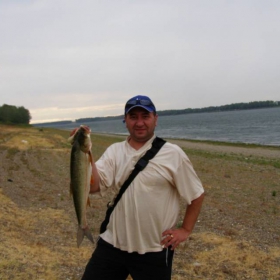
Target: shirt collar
[{"x": 148, "y": 144}]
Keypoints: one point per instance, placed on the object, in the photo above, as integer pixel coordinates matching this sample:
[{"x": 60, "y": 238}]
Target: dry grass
[{"x": 237, "y": 236}]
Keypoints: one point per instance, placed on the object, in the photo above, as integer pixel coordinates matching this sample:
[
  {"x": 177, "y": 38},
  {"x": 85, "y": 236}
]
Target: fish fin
[
  {"x": 73, "y": 132},
  {"x": 82, "y": 233},
  {"x": 91, "y": 180},
  {"x": 88, "y": 235},
  {"x": 90, "y": 157},
  {"x": 80, "y": 236},
  {"x": 91, "y": 161}
]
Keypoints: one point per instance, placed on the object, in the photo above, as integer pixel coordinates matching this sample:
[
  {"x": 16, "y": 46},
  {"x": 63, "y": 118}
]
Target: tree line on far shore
[
  {"x": 10, "y": 114},
  {"x": 19, "y": 115},
  {"x": 230, "y": 107}
]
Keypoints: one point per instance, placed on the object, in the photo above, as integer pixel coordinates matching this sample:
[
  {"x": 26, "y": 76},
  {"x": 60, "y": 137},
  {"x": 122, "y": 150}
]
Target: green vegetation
[
  {"x": 229, "y": 107},
  {"x": 10, "y": 114}
]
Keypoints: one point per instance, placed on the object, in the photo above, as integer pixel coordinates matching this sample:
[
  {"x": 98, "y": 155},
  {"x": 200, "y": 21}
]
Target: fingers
[
  {"x": 173, "y": 238},
  {"x": 169, "y": 240}
]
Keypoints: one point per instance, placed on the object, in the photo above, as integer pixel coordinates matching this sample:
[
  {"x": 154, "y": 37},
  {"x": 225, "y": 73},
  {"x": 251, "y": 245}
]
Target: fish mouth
[{"x": 86, "y": 128}]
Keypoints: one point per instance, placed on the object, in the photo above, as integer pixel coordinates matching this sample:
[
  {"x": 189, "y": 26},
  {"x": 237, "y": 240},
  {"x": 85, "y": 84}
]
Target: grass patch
[
  {"x": 12, "y": 152},
  {"x": 240, "y": 260},
  {"x": 233, "y": 157}
]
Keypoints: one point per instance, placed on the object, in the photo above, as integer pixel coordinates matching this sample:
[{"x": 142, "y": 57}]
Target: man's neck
[{"x": 136, "y": 144}]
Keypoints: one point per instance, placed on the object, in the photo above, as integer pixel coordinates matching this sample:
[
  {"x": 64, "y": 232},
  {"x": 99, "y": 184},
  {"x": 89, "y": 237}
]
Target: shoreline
[{"x": 256, "y": 150}]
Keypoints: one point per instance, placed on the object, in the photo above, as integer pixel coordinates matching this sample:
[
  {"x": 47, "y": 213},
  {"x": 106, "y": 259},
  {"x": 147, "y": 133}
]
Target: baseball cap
[{"x": 139, "y": 101}]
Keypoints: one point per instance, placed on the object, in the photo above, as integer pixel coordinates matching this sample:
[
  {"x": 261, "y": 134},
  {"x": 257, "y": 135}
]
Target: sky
[{"x": 66, "y": 59}]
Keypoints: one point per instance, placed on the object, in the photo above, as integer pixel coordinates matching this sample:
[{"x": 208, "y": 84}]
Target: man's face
[{"x": 140, "y": 124}]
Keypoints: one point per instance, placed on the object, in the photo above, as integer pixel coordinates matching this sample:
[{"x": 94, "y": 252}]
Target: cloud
[
  {"x": 65, "y": 54},
  {"x": 58, "y": 113}
]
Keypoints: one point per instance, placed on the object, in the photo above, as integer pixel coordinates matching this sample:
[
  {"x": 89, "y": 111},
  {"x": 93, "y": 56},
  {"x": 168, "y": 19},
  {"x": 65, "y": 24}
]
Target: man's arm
[{"x": 175, "y": 236}]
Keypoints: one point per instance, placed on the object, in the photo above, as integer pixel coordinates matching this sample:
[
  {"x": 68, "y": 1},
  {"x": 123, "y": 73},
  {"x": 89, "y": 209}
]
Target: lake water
[{"x": 258, "y": 126}]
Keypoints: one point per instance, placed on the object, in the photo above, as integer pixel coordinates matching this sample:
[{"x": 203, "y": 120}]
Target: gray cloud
[{"x": 87, "y": 58}]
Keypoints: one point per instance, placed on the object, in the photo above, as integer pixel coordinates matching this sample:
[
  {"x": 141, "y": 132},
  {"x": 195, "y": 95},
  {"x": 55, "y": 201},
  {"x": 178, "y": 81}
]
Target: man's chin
[{"x": 142, "y": 137}]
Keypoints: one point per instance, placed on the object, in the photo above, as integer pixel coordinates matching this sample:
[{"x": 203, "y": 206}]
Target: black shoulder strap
[{"x": 140, "y": 165}]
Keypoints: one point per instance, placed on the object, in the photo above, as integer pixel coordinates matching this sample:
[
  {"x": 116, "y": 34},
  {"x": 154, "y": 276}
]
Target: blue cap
[{"x": 141, "y": 101}]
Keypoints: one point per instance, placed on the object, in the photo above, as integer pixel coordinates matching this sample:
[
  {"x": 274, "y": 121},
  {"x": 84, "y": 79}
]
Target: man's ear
[{"x": 156, "y": 119}]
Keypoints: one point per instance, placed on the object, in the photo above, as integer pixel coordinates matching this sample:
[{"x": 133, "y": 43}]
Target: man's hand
[{"x": 173, "y": 237}]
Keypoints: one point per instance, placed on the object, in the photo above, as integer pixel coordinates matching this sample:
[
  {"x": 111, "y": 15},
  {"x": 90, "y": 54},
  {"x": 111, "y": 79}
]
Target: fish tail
[{"x": 82, "y": 233}]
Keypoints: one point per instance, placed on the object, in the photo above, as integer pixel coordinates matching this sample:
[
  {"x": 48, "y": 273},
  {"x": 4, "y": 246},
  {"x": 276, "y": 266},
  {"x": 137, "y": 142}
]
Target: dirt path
[{"x": 247, "y": 151}]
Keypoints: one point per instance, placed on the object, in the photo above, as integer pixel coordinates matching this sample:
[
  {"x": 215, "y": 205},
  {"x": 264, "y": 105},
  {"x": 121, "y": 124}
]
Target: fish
[{"x": 81, "y": 177}]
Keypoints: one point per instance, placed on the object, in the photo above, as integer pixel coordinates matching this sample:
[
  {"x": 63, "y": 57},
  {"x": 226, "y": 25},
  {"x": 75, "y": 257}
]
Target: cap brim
[{"x": 141, "y": 106}]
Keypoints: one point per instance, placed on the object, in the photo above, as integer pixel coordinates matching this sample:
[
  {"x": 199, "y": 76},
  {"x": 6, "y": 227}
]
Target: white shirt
[{"x": 150, "y": 204}]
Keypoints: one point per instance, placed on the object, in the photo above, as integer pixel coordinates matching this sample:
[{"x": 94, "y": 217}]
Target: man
[{"x": 141, "y": 236}]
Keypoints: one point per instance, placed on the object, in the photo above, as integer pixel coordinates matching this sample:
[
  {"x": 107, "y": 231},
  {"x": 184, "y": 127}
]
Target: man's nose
[{"x": 139, "y": 122}]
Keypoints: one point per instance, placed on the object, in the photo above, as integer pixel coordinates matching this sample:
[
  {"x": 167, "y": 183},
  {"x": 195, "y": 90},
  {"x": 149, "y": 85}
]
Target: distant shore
[{"x": 172, "y": 112}]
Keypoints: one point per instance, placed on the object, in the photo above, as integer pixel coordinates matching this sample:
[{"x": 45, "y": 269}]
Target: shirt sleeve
[
  {"x": 106, "y": 170},
  {"x": 186, "y": 180}
]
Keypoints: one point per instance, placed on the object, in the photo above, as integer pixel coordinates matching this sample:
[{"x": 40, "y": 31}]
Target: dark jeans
[{"x": 109, "y": 263}]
